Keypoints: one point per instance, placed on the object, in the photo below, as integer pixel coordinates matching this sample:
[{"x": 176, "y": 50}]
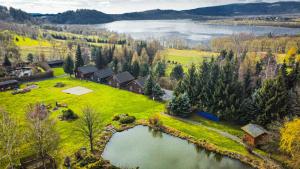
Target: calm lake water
[
  {"x": 141, "y": 147},
  {"x": 190, "y": 31}
]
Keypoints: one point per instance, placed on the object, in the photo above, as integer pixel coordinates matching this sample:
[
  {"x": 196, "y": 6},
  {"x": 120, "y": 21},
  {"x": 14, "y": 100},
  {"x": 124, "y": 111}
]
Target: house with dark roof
[
  {"x": 9, "y": 84},
  {"x": 254, "y": 135},
  {"x": 137, "y": 85},
  {"x": 102, "y": 75},
  {"x": 85, "y": 72},
  {"x": 120, "y": 80},
  {"x": 55, "y": 63}
]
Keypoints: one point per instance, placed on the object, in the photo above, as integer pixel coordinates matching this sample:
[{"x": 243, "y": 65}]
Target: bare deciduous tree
[
  {"x": 89, "y": 125},
  {"x": 9, "y": 139},
  {"x": 41, "y": 132}
]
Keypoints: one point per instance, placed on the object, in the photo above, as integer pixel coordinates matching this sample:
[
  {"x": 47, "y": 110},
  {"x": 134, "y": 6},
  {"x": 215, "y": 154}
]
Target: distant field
[{"x": 185, "y": 57}]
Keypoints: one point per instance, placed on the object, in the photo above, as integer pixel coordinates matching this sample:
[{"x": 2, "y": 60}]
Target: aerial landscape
[{"x": 149, "y": 84}]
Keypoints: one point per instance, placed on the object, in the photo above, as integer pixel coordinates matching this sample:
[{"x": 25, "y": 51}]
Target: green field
[
  {"x": 107, "y": 101},
  {"x": 185, "y": 57}
]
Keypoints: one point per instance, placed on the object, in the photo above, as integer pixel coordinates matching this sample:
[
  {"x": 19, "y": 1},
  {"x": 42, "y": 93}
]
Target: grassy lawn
[
  {"x": 185, "y": 57},
  {"x": 230, "y": 128},
  {"x": 58, "y": 71}
]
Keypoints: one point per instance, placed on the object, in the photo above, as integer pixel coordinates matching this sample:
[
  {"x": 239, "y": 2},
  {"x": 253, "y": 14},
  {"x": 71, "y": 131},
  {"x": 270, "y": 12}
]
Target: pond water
[
  {"x": 191, "y": 31},
  {"x": 147, "y": 149}
]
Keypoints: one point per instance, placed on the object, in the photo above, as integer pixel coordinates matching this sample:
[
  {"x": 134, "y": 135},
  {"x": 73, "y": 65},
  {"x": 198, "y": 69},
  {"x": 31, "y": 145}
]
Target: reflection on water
[
  {"x": 149, "y": 149},
  {"x": 189, "y": 30}
]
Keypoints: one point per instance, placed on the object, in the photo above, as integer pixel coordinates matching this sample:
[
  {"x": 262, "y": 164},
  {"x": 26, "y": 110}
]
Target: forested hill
[{"x": 84, "y": 16}]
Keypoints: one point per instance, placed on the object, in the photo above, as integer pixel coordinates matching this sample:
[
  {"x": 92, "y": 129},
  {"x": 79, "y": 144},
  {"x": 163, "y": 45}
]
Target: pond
[
  {"x": 192, "y": 32},
  {"x": 147, "y": 149}
]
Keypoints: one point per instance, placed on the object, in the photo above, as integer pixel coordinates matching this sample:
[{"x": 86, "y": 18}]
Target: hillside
[{"x": 85, "y": 16}]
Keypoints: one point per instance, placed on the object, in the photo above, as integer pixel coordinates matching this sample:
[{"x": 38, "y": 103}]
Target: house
[
  {"x": 120, "y": 80},
  {"x": 102, "y": 76},
  {"x": 254, "y": 135},
  {"x": 34, "y": 162},
  {"x": 137, "y": 85},
  {"x": 56, "y": 63},
  {"x": 85, "y": 72},
  {"x": 9, "y": 84}
]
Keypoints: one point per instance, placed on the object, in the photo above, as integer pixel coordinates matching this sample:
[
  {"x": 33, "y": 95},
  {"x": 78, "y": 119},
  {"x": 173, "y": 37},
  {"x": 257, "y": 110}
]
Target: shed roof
[
  {"x": 104, "y": 73},
  {"x": 123, "y": 77},
  {"x": 254, "y": 130},
  {"x": 8, "y": 82},
  {"x": 87, "y": 69}
]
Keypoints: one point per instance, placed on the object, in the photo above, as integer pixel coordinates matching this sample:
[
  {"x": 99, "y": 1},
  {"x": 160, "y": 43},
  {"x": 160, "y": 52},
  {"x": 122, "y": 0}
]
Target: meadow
[
  {"x": 185, "y": 57},
  {"x": 107, "y": 101}
]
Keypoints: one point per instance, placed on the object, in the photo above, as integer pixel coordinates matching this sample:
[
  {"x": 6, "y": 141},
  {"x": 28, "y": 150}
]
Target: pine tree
[
  {"x": 247, "y": 84},
  {"x": 144, "y": 70},
  {"x": 157, "y": 92},
  {"x": 144, "y": 59},
  {"x": 30, "y": 57},
  {"x": 78, "y": 58},
  {"x": 180, "y": 105},
  {"x": 99, "y": 59},
  {"x": 69, "y": 65},
  {"x": 160, "y": 69},
  {"x": 177, "y": 72},
  {"x": 114, "y": 65},
  {"x": 126, "y": 67},
  {"x": 149, "y": 84},
  {"x": 190, "y": 84},
  {"x": 6, "y": 62},
  {"x": 135, "y": 69}
]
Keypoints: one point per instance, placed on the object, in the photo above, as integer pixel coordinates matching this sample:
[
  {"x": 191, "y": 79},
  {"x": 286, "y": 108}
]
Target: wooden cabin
[
  {"x": 9, "y": 84},
  {"x": 85, "y": 72},
  {"x": 254, "y": 135},
  {"x": 102, "y": 76},
  {"x": 137, "y": 85},
  {"x": 120, "y": 80},
  {"x": 34, "y": 162},
  {"x": 55, "y": 63}
]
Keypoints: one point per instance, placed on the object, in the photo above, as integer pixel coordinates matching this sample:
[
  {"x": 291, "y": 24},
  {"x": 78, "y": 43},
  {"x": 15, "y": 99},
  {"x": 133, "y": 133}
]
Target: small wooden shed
[
  {"x": 120, "y": 80},
  {"x": 254, "y": 134},
  {"x": 85, "y": 72},
  {"x": 102, "y": 76},
  {"x": 137, "y": 85}
]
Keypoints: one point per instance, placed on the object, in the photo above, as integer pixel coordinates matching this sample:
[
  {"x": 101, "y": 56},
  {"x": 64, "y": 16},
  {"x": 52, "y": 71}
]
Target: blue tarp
[{"x": 208, "y": 116}]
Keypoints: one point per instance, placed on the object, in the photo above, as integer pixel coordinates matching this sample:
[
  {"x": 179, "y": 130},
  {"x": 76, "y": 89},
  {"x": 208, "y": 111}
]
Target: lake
[
  {"x": 147, "y": 149},
  {"x": 192, "y": 32}
]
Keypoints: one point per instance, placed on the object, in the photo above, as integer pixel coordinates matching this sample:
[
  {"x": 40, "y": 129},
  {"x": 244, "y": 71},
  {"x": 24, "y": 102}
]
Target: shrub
[
  {"x": 87, "y": 160},
  {"x": 127, "y": 120},
  {"x": 116, "y": 118},
  {"x": 69, "y": 115},
  {"x": 59, "y": 85},
  {"x": 155, "y": 121},
  {"x": 67, "y": 162}
]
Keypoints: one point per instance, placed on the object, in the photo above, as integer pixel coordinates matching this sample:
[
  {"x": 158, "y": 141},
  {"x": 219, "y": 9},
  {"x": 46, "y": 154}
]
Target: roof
[
  {"x": 123, "y": 77},
  {"x": 55, "y": 62},
  {"x": 87, "y": 69},
  {"x": 8, "y": 82},
  {"x": 141, "y": 81},
  {"x": 104, "y": 73},
  {"x": 254, "y": 130}
]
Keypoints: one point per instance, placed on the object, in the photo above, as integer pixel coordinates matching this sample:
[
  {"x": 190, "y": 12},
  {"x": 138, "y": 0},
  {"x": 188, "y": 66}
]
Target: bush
[
  {"x": 88, "y": 160},
  {"x": 59, "y": 85},
  {"x": 116, "y": 118},
  {"x": 127, "y": 120},
  {"x": 69, "y": 115},
  {"x": 155, "y": 121}
]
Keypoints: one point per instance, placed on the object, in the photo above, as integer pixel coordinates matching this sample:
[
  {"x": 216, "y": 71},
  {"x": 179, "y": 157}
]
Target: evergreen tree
[
  {"x": 6, "y": 62},
  {"x": 180, "y": 105},
  {"x": 78, "y": 58},
  {"x": 144, "y": 59},
  {"x": 94, "y": 53},
  {"x": 247, "y": 84},
  {"x": 190, "y": 84},
  {"x": 269, "y": 103},
  {"x": 157, "y": 92},
  {"x": 160, "y": 69},
  {"x": 30, "y": 57},
  {"x": 99, "y": 62},
  {"x": 177, "y": 72},
  {"x": 135, "y": 69},
  {"x": 144, "y": 70},
  {"x": 223, "y": 54},
  {"x": 149, "y": 84},
  {"x": 114, "y": 65},
  {"x": 284, "y": 74},
  {"x": 126, "y": 67},
  {"x": 69, "y": 65}
]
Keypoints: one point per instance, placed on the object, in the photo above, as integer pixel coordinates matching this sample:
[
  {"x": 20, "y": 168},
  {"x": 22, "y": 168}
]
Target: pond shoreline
[{"x": 255, "y": 163}]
